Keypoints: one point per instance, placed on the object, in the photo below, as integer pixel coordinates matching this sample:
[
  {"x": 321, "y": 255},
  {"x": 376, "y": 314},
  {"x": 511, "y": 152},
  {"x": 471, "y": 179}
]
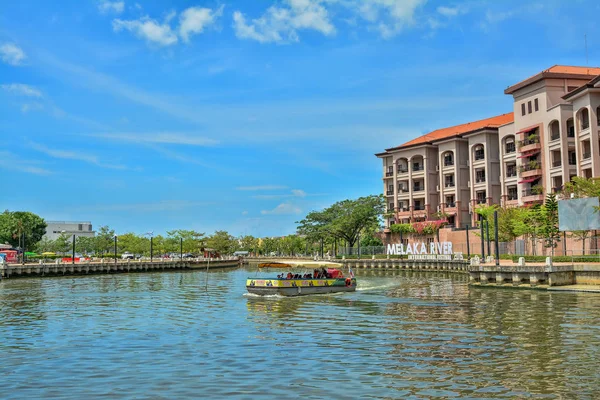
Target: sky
[{"x": 244, "y": 116}]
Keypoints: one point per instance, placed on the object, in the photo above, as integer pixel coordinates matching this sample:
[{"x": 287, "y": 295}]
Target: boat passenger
[{"x": 289, "y": 275}]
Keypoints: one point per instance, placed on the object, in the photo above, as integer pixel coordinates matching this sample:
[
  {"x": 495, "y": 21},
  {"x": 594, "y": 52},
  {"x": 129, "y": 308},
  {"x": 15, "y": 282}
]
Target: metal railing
[{"x": 557, "y": 163}]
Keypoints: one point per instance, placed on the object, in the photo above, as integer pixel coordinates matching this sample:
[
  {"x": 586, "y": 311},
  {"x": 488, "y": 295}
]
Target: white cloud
[
  {"x": 293, "y": 193},
  {"x": 74, "y": 155},
  {"x": 161, "y": 137},
  {"x": 448, "y": 11},
  {"x": 260, "y": 187},
  {"x": 22, "y": 89},
  {"x": 281, "y": 24},
  {"x": 388, "y": 17},
  {"x": 9, "y": 161},
  {"x": 194, "y": 19},
  {"x": 299, "y": 193},
  {"x": 106, "y": 7},
  {"x": 11, "y": 54},
  {"x": 149, "y": 29},
  {"x": 283, "y": 208},
  {"x": 35, "y": 106}
]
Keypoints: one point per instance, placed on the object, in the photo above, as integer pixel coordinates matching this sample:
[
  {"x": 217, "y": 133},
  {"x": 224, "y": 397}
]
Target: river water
[{"x": 402, "y": 335}]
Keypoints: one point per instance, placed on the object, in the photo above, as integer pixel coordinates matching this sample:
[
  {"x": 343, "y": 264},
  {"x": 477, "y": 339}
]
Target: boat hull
[{"x": 299, "y": 287}]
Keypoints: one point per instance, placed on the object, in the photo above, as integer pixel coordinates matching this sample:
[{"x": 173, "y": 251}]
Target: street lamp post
[
  {"x": 115, "y": 249},
  {"x": 73, "y": 254}
]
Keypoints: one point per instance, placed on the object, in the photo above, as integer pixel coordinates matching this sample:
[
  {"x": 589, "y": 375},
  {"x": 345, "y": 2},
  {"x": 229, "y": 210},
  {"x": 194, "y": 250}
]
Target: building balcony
[
  {"x": 402, "y": 170},
  {"x": 419, "y": 208},
  {"x": 587, "y": 155},
  {"x": 449, "y": 185},
  {"x": 479, "y": 201},
  {"x": 403, "y": 190},
  {"x": 390, "y": 192},
  {"x": 389, "y": 173},
  {"x": 450, "y": 205},
  {"x": 529, "y": 145},
  {"x": 403, "y": 213},
  {"x": 556, "y": 164},
  {"x": 480, "y": 180},
  {"x": 448, "y": 163},
  {"x": 529, "y": 196},
  {"x": 554, "y": 136},
  {"x": 531, "y": 172},
  {"x": 418, "y": 168},
  {"x": 418, "y": 189}
]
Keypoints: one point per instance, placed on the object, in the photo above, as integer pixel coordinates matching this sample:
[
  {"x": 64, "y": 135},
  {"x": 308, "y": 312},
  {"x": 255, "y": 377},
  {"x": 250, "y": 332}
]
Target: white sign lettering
[{"x": 420, "y": 248}]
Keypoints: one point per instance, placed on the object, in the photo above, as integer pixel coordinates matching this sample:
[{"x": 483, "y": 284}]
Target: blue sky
[{"x": 244, "y": 115}]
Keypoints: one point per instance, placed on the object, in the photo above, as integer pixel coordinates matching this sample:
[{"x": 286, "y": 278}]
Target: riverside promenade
[{"x": 111, "y": 266}]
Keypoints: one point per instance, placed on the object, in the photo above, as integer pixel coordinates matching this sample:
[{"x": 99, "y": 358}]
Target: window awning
[
  {"x": 528, "y": 180},
  {"x": 530, "y": 153},
  {"x": 526, "y": 130}
]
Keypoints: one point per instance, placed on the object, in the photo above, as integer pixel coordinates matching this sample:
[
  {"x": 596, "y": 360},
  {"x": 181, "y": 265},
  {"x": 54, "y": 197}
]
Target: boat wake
[
  {"x": 268, "y": 296},
  {"x": 366, "y": 286}
]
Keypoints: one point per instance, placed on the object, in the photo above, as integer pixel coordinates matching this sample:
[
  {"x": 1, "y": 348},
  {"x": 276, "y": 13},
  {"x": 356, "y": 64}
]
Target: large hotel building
[{"x": 516, "y": 158}]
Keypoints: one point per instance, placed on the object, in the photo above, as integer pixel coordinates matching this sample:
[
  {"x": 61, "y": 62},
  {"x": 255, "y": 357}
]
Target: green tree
[
  {"x": 45, "y": 245},
  {"x": 268, "y": 245},
  {"x": 249, "y": 243},
  {"x": 63, "y": 243},
  {"x": 16, "y": 223},
  {"x": 84, "y": 244},
  {"x": 582, "y": 187},
  {"x": 550, "y": 222},
  {"x": 343, "y": 220},
  {"x": 222, "y": 242},
  {"x": 192, "y": 241},
  {"x": 132, "y": 243},
  {"x": 104, "y": 240},
  {"x": 370, "y": 240}
]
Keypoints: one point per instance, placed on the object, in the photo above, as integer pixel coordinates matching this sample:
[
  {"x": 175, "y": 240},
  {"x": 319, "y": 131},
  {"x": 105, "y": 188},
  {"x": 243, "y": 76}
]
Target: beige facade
[{"x": 552, "y": 135}]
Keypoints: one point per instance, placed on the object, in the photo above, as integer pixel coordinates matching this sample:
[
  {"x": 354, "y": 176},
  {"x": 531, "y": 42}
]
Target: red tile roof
[
  {"x": 453, "y": 131},
  {"x": 557, "y": 71}
]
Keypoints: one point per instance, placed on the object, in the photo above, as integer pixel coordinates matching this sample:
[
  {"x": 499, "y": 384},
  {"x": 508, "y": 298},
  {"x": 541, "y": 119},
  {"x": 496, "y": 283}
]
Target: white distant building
[{"x": 68, "y": 228}]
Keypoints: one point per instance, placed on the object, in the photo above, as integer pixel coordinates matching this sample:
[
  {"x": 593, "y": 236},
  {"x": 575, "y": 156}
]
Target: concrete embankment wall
[
  {"x": 536, "y": 275},
  {"x": 110, "y": 267}
]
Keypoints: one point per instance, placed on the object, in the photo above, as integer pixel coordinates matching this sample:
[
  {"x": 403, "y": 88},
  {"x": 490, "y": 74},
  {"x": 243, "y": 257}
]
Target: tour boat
[{"x": 331, "y": 280}]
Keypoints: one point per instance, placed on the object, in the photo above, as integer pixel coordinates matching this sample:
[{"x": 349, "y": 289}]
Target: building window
[
  {"x": 80, "y": 227},
  {"x": 480, "y": 175},
  {"x": 528, "y": 107},
  {"x": 449, "y": 180},
  {"x": 479, "y": 153},
  {"x": 523, "y": 109},
  {"x": 512, "y": 193},
  {"x": 480, "y": 197},
  {"x": 448, "y": 159},
  {"x": 572, "y": 158},
  {"x": 511, "y": 170},
  {"x": 390, "y": 190},
  {"x": 510, "y": 147},
  {"x": 450, "y": 202},
  {"x": 418, "y": 205},
  {"x": 536, "y": 105}
]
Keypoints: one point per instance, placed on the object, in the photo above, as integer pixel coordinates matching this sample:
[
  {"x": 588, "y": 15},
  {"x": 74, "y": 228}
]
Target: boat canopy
[{"x": 335, "y": 273}]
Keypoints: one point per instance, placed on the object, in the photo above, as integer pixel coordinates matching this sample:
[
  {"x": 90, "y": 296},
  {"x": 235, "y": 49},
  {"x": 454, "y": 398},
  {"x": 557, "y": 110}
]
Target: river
[{"x": 401, "y": 335}]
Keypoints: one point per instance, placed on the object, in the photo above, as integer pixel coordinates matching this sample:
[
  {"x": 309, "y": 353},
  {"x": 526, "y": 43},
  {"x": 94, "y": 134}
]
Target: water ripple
[{"x": 401, "y": 335}]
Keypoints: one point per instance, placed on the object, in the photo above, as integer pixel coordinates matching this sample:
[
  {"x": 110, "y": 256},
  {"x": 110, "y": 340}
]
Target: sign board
[
  {"x": 421, "y": 249},
  {"x": 578, "y": 214}
]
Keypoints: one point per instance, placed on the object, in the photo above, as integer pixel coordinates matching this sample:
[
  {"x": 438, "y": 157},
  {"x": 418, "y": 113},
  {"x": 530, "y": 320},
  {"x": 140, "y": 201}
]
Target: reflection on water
[{"x": 400, "y": 335}]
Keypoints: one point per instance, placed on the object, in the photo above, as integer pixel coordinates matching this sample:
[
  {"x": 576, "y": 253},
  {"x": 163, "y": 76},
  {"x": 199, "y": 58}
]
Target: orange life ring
[{"x": 348, "y": 281}]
